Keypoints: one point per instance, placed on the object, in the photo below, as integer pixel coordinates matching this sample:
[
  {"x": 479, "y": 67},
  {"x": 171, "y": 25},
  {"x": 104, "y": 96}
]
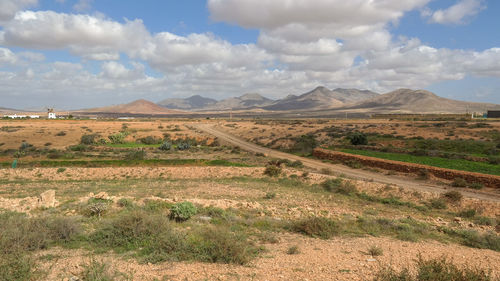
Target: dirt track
[{"x": 340, "y": 169}]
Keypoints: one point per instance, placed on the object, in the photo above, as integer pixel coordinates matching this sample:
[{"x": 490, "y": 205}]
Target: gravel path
[{"x": 340, "y": 169}]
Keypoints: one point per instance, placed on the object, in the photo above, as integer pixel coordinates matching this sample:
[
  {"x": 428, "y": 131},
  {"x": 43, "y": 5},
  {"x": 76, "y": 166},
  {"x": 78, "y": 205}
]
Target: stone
[
  {"x": 101, "y": 195},
  {"x": 48, "y": 198},
  {"x": 205, "y": 218}
]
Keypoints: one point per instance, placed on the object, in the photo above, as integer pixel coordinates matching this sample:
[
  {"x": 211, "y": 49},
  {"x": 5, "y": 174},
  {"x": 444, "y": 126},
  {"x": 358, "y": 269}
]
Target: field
[{"x": 166, "y": 200}]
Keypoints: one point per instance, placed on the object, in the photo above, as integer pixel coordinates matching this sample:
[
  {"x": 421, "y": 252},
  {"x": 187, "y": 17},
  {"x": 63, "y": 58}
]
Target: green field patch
[
  {"x": 131, "y": 145},
  {"x": 454, "y": 164}
]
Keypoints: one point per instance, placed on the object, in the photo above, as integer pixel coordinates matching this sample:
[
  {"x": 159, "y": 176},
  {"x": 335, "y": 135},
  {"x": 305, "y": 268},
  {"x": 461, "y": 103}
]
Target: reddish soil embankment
[{"x": 448, "y": 174}]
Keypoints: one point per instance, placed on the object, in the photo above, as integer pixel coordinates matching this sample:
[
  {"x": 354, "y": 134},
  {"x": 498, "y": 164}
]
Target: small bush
[
  {"x": 453, "y": 196},
  {"x": 470, "y": 213},
  {"x": 136, "y": 155},
  {"x": 98, "y": 271},
  {"x": 61, "y": 134},
  {"x": 295, "y": 164},
  {"x": 433, "y": 270},
  {"x": 316, "y": 227},
  {"x": 182, "y": 211},
  {"x": 358, "y": 139},
  {"x": 150, "y": 140},
  {"x": 273, "y": 170},
  {"x": 183, "y": 146},
  {"x": 125, "y": 203},
  {"x": 270, "y": 195},
  {"x": 437, "y": 203},
  {"x": 88, "y": 139},
  {"x": 61, "y": 170},
  {"x": 339, "y": 185},
  {"x": 165, "y": 146},
  {"x": 293, "y": 250},
  {"x": 18, "y": 266},
  {"x": 476, "y": 185},
  {"x": 117, "y": 138},
  {"x": 95, "y": 209},
  {"x": 25, "y": 145},
  {"x": 459, "y": 182},
  {"x": 375, "y": 251}
]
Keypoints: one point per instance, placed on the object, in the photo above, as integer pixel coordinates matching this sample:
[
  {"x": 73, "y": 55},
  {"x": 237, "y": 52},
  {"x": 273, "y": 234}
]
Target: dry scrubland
[{"x": 159, "y": 200}]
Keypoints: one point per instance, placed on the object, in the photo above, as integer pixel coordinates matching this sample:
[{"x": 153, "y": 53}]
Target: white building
[
  {"x": 34, "y": 116},
  {"x": 15, "y": 116},
  {"x": 52, "y": 114}
]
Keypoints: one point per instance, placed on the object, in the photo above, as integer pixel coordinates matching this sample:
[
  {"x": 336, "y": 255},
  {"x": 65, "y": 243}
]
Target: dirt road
[{"x": 492, "y": 196}]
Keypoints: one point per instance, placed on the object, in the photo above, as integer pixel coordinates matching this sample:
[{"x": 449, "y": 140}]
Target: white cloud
[
  {"x": 458, "y": 13},
  {"x": 8, "y": 8},
  {"x": 167, "y": 50},
  {"x": 7, "y": 56},
  {"x": 334, "y": 43},
  {"x": 85, "y": 35}
]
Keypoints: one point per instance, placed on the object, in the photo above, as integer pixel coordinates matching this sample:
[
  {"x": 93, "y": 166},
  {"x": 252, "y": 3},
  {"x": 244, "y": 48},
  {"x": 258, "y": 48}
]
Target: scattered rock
[
  {"x": 48, "y": 198},
  {"x": 102, "y": 195},
  {"x": 205, "y": 218}
]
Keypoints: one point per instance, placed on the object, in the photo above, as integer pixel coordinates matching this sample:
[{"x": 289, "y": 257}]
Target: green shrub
[
  {"x": 183, "y": 146},
  {"x": 437, "y": 203},
  {"x": 96, "y": 209},
  {"x": 25, "y": 145},
  {"x": 433, "y": 270},
  {"x": 125, "y": 203},
  {"x": 470, "y": 213},
  {"x": 375, "y": 251},
  {"x": 78, "y": 147},
  {"x": 304, "y": 145},
  {"x": 165, "y": 146},
  {"x": 316, "y": 227},
  {"x": 150, "y": 140},
  {"x": 273, "y": 170},
  {"x": 270, "y": 195},
  {"x": 295, "y": 164},
  {"x": 476, "y": 185},
  {"x": 182, "y": 211},
  {"x": 459, "y": 182},
  {"x": 61, "y": 170},
  {"x": 136, "y": 155},
  {"x": 358, "y": 138},
  {"x": 453, "y": 196},
  {"x": 99, "y": 271},
  {"x": 293, "y": 250},
  {"x": 117, "y": 138},
  {"x": 18, "y": 267},
  {"x": 88, "y": 139},
  {"x": 339, "y": 185}
]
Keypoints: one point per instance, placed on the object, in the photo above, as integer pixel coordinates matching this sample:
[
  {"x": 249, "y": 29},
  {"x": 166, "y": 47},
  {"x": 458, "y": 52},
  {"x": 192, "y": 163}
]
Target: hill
[
  {"x": 321, "y": 98},
  {"x": 191, "y": 103},
  {"x": 137, "y": 107},
  {"x": 417, "y": 101}
]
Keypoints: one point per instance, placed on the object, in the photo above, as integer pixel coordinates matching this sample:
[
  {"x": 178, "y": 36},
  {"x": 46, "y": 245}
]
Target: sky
[{"x": 73, "y": 54}]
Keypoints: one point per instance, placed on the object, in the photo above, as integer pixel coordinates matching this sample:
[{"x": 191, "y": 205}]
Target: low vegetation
[{"x": 439, "y": 269}]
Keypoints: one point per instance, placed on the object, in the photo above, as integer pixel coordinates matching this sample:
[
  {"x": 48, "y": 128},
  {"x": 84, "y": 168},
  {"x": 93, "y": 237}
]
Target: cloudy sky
[{"x": 85, "y": 53}]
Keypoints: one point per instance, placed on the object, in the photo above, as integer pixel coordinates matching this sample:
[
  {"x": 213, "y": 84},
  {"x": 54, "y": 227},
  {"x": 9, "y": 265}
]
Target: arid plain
[{"x": 163, "y": 199}]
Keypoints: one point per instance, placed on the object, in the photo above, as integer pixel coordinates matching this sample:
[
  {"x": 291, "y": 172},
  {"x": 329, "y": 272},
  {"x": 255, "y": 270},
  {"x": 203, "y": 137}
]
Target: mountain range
[{"x": 318, "y": 102}]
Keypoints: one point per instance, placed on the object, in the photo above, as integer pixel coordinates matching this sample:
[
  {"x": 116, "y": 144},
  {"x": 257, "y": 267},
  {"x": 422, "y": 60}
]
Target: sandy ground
[
  {"x": 334, "y": 259},
  {"x": 42, "y": 132}
]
